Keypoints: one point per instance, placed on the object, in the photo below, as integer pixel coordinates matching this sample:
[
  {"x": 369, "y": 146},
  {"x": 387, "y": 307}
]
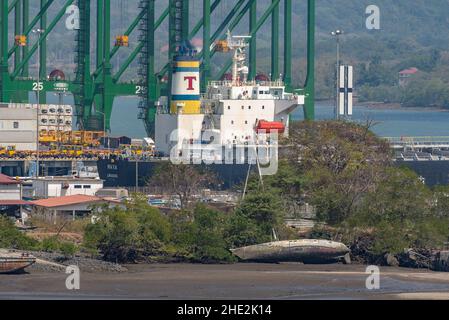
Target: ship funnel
[{"x": 185, "y": 87}]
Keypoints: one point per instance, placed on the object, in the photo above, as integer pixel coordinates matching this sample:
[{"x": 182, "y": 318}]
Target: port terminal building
[{"x": 19, "y": 122}]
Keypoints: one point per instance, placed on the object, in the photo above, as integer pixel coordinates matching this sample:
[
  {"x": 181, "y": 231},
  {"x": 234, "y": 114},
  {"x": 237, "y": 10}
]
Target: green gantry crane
[{"x": 101, "y": 86}]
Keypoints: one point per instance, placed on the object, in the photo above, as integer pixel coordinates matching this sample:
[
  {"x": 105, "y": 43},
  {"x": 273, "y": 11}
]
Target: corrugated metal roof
[
  {"x": 14, "y": 203},
  {"x": 409, "y": 71},
  {"x": 66, "y": 201},
  {"x": 4, "y": 179}
]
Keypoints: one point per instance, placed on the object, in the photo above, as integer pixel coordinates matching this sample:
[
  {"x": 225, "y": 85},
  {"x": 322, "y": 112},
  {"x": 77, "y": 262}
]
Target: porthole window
[{"x": 263, "y": 107}]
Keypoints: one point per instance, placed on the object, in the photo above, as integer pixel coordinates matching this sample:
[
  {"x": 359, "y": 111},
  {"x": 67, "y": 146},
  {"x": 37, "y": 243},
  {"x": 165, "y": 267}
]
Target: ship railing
[
  {"x": 441, "y": 141},
  {"x": 223, "y": 96},
  {"x": 227, "y": 83}
]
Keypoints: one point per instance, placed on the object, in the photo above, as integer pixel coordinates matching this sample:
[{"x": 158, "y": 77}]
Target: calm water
[
  {"x": 390, "y": 123},
  {"x": 394, "y": 122}
]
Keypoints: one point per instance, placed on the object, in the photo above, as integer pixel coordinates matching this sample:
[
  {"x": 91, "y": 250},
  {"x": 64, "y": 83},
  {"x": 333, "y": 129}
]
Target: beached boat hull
[
  {"x": 307, "y": 251},
  {"x": 15, "y": 262}
]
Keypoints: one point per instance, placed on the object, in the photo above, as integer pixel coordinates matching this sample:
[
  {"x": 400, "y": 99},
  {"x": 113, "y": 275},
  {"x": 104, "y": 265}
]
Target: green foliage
[
  {"x": 242, "y": 231},
  {"x": 425, "y": 61},
  {"x": 124, "y": 234},
  {"x": 50, "y": 244},
  {"x": 346, "y": 173},
  {"x": 390, "y": 238},
  {"x": 286, "y": 181},
  {"x": 141, "y": 232},
  {"x": 423, "y": 92},
  {"x": 381, "y": 93},
  {"x": 440, "y": 208},
  {"x": 68, "y": 249},
  {"x": 118, "y": 235},
  {"x": 375, "y": 73},
  {"x": 12, "y": 238},
  {"x": 254, "y": 219},
  {"x": 154, "y": 228},
  {"x": 204, "y": 236},
  {"x": 209, "y": 228},
  {"x": 263, "y": 208},
  {"x": 399, "y": 197},
  {"x": 340, "y": 162},
  {"x": 53, "y": 244}
]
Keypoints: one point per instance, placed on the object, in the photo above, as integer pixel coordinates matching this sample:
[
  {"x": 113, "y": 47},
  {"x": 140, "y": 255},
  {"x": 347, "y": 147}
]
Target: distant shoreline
[
  {"x": 383, "y": 106},
  {"x": 396, "y": 106}
]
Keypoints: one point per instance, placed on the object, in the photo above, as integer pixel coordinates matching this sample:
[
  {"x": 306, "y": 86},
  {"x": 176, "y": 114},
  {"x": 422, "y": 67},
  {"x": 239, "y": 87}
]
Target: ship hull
[
  {"x": 307, "y": 251},
  {"x": 124, "y": 173},
  {"x": 434, "y": 172},
  {"x": 15, "y": 264}
]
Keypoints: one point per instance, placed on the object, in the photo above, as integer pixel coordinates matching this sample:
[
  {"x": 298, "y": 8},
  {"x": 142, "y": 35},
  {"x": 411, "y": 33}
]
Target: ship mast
[{"x": 238, "y": 45}]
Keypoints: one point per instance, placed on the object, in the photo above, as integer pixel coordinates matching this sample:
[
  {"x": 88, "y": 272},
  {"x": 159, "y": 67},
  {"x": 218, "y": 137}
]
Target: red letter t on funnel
[{"x": 190, "y": 79}]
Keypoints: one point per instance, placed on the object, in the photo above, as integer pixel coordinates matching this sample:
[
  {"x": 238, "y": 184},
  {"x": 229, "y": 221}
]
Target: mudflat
[{"x": 234, "y": 282}]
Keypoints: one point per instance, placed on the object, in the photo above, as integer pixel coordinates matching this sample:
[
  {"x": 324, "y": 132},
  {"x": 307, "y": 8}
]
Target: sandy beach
[{"x": 234, "y": 282}]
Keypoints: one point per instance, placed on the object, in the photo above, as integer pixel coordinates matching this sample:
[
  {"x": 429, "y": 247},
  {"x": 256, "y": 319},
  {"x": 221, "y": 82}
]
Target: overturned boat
[
  {"x": 12, "y": 262},
  {"x": 307, "y": 251}
]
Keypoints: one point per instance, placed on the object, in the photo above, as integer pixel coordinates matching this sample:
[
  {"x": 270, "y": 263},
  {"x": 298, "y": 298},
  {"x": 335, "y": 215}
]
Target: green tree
[
  {"x": 12, "y": 238},
  {"x": 128, "y": 234},
  {"x": 400, "y": 197},
  {"x": 254, "y": 219},
  {"x": 203, "y": 236},
  {"x": 339, "y": 163}
]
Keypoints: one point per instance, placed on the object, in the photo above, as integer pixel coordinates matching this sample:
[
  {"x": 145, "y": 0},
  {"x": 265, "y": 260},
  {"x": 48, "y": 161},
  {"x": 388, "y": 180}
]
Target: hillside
[{"x": 410, "y": 32}]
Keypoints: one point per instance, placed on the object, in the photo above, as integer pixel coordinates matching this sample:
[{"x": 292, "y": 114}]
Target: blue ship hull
[{"x": 123, "y": 173}]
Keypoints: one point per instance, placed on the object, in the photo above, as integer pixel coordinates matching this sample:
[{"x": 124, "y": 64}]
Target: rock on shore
[{"x": 55, "y": 262}]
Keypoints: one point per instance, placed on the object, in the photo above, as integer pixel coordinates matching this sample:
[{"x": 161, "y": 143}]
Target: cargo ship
[{"x": 233, "y": 125}]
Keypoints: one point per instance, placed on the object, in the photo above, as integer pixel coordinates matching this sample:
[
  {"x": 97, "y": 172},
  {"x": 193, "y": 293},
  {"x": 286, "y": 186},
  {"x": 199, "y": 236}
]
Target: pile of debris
[
  {"x": 55, "y": 262},
  {"x": 437, "y": 260}
]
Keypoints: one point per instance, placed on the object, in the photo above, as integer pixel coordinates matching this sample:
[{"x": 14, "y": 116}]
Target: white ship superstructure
[{"x": 231, "y": 113}]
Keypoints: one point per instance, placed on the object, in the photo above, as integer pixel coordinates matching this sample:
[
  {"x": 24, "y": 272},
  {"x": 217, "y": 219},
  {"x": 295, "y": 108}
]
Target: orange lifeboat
[{"x": 270, "y": 126}]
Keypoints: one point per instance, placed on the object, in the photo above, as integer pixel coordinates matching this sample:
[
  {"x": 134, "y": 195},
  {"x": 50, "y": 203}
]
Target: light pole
[
  {"x": 105, "y": 132},
  {"x": 39, "y": 32},
  {"x": 337, "y": 33}
]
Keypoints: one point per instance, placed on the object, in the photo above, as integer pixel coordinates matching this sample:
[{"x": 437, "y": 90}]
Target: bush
[
  {"x": 115, "y": 236},
  {"x": 128, "y": 234},
  {"x": 255, "y": 218},
  {"x": 203, "y": 237},
  {"x": 50, "y": 244},
  {"x": 68, "y": 249},
  {"x": 12, "y": 238}
]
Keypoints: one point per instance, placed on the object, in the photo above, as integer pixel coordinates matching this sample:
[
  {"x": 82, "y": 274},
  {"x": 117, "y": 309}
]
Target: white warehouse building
[
  {"x": 18, "y": 123},
  {"x": 18, "y": 126},
  {"x": 51, "y": 187}
]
